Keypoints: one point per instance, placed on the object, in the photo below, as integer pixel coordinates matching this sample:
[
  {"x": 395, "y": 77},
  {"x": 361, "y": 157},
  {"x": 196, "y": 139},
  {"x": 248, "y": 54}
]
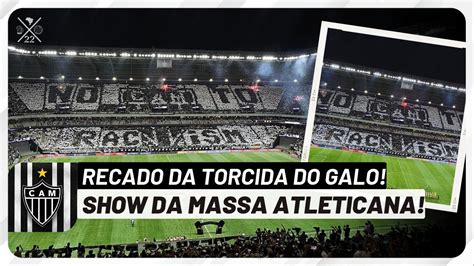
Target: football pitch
[
  {"x": 402, "y": 173},
  {"x": 120, "y": 231}
]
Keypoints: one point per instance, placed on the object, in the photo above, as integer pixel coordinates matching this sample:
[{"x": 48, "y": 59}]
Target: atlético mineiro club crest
[
  {"x": 42, "y": 201},
  {"x": 42, "y": 197}
]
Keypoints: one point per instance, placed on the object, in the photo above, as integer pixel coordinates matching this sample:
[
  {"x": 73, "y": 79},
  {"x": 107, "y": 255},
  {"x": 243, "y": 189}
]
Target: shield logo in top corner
[{"x": 42, "y": 201}]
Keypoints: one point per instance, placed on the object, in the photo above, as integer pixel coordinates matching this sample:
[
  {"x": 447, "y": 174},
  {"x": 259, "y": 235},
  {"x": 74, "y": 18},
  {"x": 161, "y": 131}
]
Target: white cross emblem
[{"x": 29, "y": 29}]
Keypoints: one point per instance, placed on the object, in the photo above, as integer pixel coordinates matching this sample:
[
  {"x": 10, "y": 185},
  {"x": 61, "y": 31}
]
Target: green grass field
[
  {"x": 401, "y": 172},
  {"x": 94, "y": 232}
]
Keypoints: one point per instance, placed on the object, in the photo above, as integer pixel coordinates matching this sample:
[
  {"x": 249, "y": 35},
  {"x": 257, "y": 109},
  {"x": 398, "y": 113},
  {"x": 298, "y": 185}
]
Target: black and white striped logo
[
  {"x": 42, "y": 197},
  {"x": 42, "y": 201}
]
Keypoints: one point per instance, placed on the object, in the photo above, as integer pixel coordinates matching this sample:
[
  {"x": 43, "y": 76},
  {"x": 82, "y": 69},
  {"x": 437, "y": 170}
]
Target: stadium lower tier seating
[
  {"x": 386, "y": 143},
  {"x": 353, "y": 104},
  {"x": 163, "y": 138}
]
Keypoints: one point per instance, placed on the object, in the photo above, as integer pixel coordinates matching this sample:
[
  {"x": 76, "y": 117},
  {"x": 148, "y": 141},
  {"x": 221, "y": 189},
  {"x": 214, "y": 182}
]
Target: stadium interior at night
[{"x": 103, "y": 104}]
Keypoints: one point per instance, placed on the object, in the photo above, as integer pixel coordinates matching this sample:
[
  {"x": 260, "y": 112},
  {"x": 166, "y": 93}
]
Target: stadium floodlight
[
  {"x": 429, "y": 102},
  {"x": 79, "y": 78},
  {"x": 241, "y": 80},
  {"x": 147, "y": 79},
  {"x": 378, "y": 93},
  {"x": 276, "y": 80},
  {"x": 195, "y": 80},
  {"x": 352, "y": 89},
  {"x": 338, "y": 87},
  {"x": 71, "y": 53},
  {"x": 130, "y": 79},
  {"x": 226, "y": 80},
  {"x": 336, "y": 66},
  {"x": 63, "y": 77},
  {"x": 404, "y": 98},
  {"x": 454, "y": 106},
  {"x": 417, "y": 100},
  {"x": 442, "y": 104},
  {"x": 20, "y": 77},
  {"x": 41, "y": 77},
  {"x": 268, "y": 58},
  {"x": 180, "y": 79},
  {"x": 163, "y": 79},
  {"x": 114, "y": 78},
  {"x": 97, "y": 78},
  {"x": 258, "y": 80},
  {"x": 365, "y": 91},
  {"x": 295, "y": 80},
  {"x": 211, "y": 80},
  {"x": 391, "y": 96}
]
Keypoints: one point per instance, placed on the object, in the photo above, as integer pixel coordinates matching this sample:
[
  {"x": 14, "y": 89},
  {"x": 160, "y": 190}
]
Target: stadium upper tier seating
[
  {"x": 360, "y": 105},
  {"x": 39, "y": 97}
]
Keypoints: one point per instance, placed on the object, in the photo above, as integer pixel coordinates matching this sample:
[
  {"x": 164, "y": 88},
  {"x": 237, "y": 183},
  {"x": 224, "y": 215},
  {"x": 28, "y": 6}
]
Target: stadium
[
  {"x": 412, "y": 123},
  {"x": 65, "y": 102},
  {"x": 69, "y": 104}
]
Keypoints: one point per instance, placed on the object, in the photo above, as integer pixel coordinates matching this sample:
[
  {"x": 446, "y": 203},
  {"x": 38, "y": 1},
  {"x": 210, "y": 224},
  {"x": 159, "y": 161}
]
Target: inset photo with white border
[{"x": 384, "y": 96}]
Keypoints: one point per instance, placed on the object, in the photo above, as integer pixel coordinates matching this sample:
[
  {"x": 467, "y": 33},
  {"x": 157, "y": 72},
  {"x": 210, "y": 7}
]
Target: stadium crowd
[
  {"x": 43, "y": 97},
  {"x": 390, "y": 111},
  {"x": 386, "y": 143},
  {"x": 153, "y": 138},
  {"x": 13, "y": 155},
  {"x": 399, "y": 241}
]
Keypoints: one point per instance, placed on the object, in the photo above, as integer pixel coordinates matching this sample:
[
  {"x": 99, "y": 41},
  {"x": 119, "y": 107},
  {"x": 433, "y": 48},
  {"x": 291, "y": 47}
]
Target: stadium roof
[{"x": 158, "y": 53}]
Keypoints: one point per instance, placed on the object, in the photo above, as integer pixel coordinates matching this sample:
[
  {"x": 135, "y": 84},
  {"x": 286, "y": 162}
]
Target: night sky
[
  {"x": 419, "y": 59},
  {"x": 264, "y": 30}
]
